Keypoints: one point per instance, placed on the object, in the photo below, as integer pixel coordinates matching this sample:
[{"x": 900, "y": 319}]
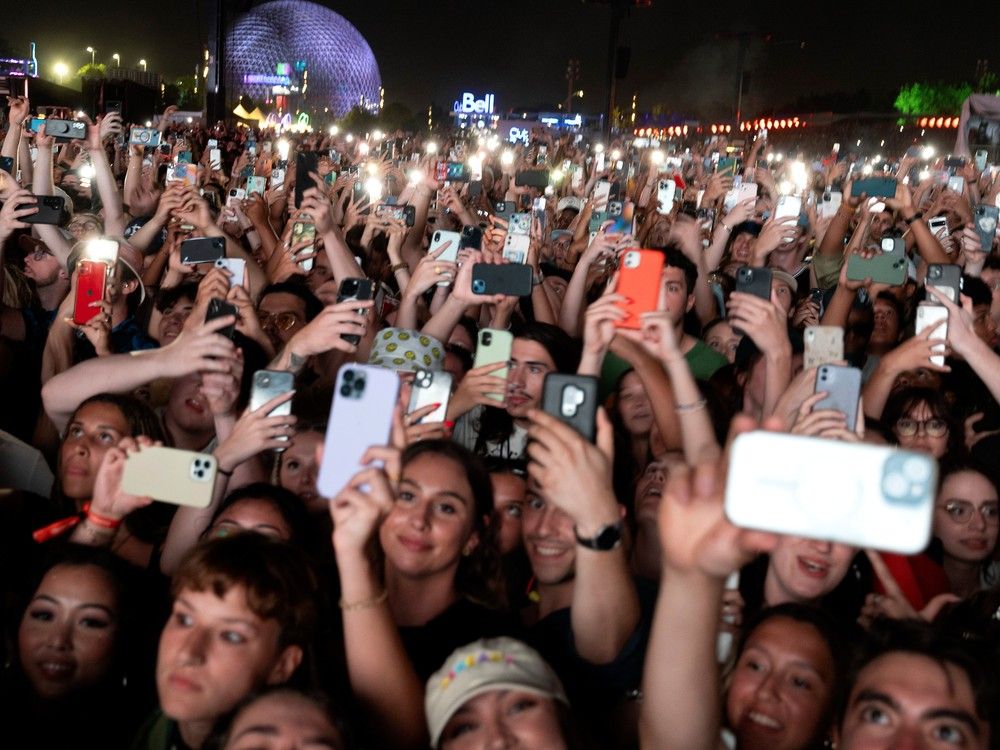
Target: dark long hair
[{"x": 479, "y": 576}]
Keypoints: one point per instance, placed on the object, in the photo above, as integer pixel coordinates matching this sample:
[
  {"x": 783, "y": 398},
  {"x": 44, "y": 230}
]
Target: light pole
[
  {"x": 61, "y": 70},
  {"x": 143, "y": 64},
  {"x": 92, "y": 53},
  {"x": 118, "y": 59}
]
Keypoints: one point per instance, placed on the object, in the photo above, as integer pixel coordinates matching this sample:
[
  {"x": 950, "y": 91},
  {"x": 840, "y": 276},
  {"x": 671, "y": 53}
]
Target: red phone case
[
  {"x": 89, "y": 288},
  {"x": 639, "y": 283}
]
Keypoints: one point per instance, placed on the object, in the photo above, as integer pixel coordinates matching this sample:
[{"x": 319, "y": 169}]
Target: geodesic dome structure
[{"x": 339, "y": 66}]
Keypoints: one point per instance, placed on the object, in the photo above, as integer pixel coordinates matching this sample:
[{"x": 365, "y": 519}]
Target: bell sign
[{"x": 470, "y": 105}]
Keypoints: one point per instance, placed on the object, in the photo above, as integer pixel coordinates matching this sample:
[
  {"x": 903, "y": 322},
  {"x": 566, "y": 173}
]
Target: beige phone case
[
  {"x": 928, "y": 314},
  {"x": 171, "y": 475},
  {"x": 823, "y": 345}
]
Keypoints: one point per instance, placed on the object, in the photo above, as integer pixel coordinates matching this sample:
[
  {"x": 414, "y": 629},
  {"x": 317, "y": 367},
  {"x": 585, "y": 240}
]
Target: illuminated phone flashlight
[
  {"x": 149, "y": 123},
  {"x": 334, "y": 130},
  {"x": 415, "y": 176},
  {"x": 507, "y": 157},
  {"x": 927, "y": 153},
  {"x": 785, "y": 187},
  {"x": 616, "y": 155},
  {"x": 866, "y": 169},
  {"x": 779, "y": 156},
  {"x": 430, "y": 147},
  {"x": 283, "y": 149},
  {"x": 349, "y": 137},
  {"x": 556, "y": 175},
  {"x": 377, "y": 135},
  {"x": 102, "y": 250},
  {"x": 656, "y": 157},
  {"x": 475, "y": 163},
  {"x": 493, "y": 143},
  {"x": 598, "y": 148},
  {"x": 925, "y": 174},
  {"x": 363, "y": 148},
  {"x": 371, "y": 168},
  {"x": 373, "y": 186},
  {"x": 799, "y": 178}
]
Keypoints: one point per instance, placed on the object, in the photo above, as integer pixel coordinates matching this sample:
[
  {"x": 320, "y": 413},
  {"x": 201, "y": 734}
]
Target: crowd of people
[{"x": 495, "y": 577}]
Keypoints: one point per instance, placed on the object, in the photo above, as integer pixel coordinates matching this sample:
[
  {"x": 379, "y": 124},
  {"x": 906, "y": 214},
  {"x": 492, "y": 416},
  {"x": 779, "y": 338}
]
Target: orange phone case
[
  {"x": 89, "y": 288},
  {"x": 639, "y": 282}
]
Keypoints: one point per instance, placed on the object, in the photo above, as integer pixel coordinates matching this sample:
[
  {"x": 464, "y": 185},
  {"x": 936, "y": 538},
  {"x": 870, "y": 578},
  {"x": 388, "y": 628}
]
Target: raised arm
[
  {"x": 575, "y": 476},
  {"x": 107, "y": 188}
]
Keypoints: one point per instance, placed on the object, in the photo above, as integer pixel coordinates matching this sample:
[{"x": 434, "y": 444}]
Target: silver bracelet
[{"x": 685, "y": 408}]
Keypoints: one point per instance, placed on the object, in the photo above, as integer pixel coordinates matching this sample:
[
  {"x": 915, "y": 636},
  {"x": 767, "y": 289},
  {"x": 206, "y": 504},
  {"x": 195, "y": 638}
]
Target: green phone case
[{"x": 883, "y": 268}]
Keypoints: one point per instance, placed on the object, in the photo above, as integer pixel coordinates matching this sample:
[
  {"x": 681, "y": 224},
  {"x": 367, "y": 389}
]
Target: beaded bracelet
[{"x": 364, "y": 603}]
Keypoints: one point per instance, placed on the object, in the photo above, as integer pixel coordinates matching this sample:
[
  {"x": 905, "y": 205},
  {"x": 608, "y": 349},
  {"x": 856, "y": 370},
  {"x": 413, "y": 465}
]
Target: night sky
[{"x": 433, "y": 51}]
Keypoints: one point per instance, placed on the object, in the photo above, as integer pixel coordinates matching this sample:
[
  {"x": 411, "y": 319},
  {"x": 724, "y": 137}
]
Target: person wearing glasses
[
  {"x": 966, "y": 522},
  {"x": 923, "y": 419}
]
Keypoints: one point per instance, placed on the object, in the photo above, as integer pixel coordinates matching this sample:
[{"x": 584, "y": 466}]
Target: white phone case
[
  {"x": 823, "y": 344},
  {"x": 439, "y": 238},
  {"x": 360, "y": 417},
  {"x": 171, "y": 475},
  {"x": 430, "y": 388},
  {"x": 929, "y": 313},
  {"x": 867, "y": 496}
]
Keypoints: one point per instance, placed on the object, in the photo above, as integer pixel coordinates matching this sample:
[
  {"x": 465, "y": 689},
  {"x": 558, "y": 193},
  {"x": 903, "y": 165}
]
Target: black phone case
[
  {"x": 472, "y": 237},
  {"x": 203, "y": 250},
  {"x": 7, "y": 164},
  {"x": 512, "y": 279},
  {"x": 538, "y": 178},
  {"x": 218, "y": 308},
  {"x": 359, "y": 289},
  {"x": 755, "y": 281},
  {"x": 305, "y": 162},
  {"x": 946, "y": 277},
  {"x": 572, "y": 399},
  {"x": 50, "y": 208}
]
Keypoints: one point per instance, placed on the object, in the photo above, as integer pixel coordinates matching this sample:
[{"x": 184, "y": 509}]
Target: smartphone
[
  {"x": 842, "y": 385},
  {"x": 236, "y": 196},
  {"x": 355, "y": 289},
  {"x": 788, "y": 206},
  {"x": 755, "y": 281},
  {"x": 954, "y": 162},
  {"x": 7, "y": 164},
  {"x": 218, "y": 308},
  {"x": 665, "y": 192},
  {"x": 513, "y": 280},
  {"x": 451, "y": 240},
  {"x": 947, "y": 278},
  {"x": 90, "y": 282},
  {"x": 742, "y": 192},
  {"x": 148, "y": 137},
  {"x": 886, "y": 267},
  {"x": 830, "y": 203},
  {"x": 303, "y": 231},
  {"x": 985, "y": 218},
  {"x": 182, "y": 172},
  {"x": 956, "y": 184},
  {"x": 536, "y": 178},
  {"x": 237, "y": 267},
  {"x": 639, "y": 282},
  {"x": 938, "y": 226},
  {"x": 364, "y": 398},
  {"x": 866, "y": 496},
  {"x": 305, "y": 162},
  {"x": 184, "y": 157},
  {"x": 65, "y": 129},
  {"x": 929, "y": 314},
  {"x": 823, "y": 344},
  {"x": 50, "y": 210},
  {"x": 430, "y": 388},
  {"x": 494, "y": 347},
  {"x": 471, "y": 237},
  {"x": 574, "y": 400},
  {"x": 515, "y": 247},
  {"x": 726, "y": 166},
  {"x": 171, "y": 475},
  {"x": 256, "y": 185},
  {"x": 269, "y": 384},
  {"x": 406, "y": 214},
  {"x": 874, "y": 187},
  {"x": 504, "y": 209},
  {"x": 278, "y": 177},
  {"x": 451, "y": 171},
  {"x": 203, "y": 250}
]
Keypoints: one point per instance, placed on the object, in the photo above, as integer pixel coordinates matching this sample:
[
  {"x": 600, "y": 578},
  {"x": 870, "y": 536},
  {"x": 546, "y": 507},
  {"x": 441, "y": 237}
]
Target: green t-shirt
[{"x": 704, "y": 360}]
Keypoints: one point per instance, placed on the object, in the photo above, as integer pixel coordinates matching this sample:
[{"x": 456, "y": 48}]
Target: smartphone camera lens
[
  {"x": 487, "y": 338},
  {"x": 346, "y": 391},
  {"x": 359, "y": 385},
  {"x": 478, "y": 286},
  {"x": 348, "y": 376}
]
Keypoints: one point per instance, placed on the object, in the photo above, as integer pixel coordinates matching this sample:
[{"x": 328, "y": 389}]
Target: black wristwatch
[
  {"x": 918, "y": 215},
  {"x": 608, "y": 538}
]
